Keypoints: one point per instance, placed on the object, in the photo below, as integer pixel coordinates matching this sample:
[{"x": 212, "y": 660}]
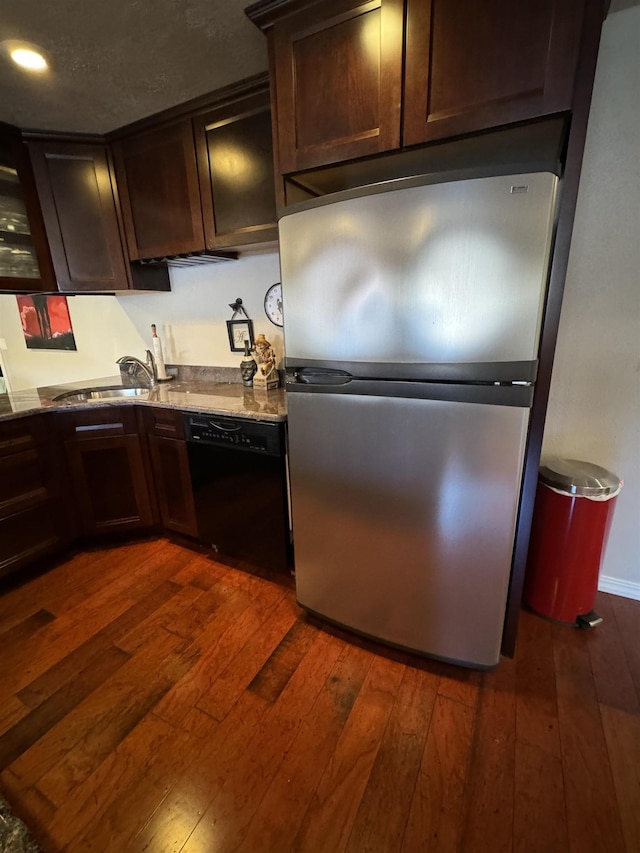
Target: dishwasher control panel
[{"x": 240, "y": 433}]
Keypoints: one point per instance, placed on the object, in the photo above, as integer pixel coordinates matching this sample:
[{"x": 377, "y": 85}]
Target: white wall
[
  {"x": 594, "y": 408},
  {"x": 190, "y": 320},
  {"x": 102, "y": 333}
]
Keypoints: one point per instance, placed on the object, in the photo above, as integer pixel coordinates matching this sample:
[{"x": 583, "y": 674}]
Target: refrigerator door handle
[
  {"x": 494, "y": 394},
  {"x": 318, "y": 376}
]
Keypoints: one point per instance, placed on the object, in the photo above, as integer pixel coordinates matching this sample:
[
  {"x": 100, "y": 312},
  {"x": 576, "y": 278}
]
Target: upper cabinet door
[
  {"x": 158, "y": 185},
  {"x": 338, "y": 79},
  {"x": 235, "y": 164},
  {"x": 25, "y": 261},
  {"x": 471, "y": 65},
  {"x": 77, "y": 199}
]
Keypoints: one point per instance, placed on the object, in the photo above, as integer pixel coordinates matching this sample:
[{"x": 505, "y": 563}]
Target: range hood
[{"x": 190, "y": 259}]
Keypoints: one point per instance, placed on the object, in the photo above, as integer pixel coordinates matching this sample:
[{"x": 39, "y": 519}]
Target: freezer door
[
  {"x": 404, "y": 513},
  {"x": 440, "y": 273}
]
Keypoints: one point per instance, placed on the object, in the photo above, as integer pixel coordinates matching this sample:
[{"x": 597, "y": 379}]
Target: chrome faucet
[{"x": 132, "y": 366}]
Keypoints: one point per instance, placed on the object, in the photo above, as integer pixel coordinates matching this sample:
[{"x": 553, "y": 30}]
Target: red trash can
[{"x": 571, "y": 521}]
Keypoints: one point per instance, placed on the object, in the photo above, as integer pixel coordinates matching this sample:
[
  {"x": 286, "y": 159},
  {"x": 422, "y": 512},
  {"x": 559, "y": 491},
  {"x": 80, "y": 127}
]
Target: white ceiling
[{"x": 115, "y": 61}]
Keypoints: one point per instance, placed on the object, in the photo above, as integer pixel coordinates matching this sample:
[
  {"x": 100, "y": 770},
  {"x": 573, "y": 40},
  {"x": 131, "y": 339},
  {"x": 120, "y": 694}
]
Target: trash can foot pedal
[{"x": 586, "y": 621}]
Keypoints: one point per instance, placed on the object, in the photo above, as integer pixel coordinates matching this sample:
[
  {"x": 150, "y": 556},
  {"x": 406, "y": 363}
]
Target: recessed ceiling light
[
  {"x": 25, "y": 54},
  {"x": 30, "y": 59}
]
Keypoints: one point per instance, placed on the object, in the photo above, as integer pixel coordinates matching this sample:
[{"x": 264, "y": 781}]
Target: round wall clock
[{"x": 273, "y": 304}]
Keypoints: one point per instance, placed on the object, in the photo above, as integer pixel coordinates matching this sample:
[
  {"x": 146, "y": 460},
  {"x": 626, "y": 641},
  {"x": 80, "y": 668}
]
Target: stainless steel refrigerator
[{"x": 412, "y": 321}]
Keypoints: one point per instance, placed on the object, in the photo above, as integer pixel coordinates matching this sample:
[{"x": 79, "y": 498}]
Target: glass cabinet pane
[{"x": 17, "y": 253}]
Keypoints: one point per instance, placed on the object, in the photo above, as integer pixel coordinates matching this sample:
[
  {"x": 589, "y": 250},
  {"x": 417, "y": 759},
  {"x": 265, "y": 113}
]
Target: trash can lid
[{"x": 578, "y": 478}]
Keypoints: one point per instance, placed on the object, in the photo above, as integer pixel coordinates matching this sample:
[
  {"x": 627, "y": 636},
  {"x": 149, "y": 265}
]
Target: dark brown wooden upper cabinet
[
  {"x": 158, "y": 183},
  {"x": 471, "y": 66},
  {"x": 25, "y": 261},
  {"x": 235, "y": 165},
  {"x": 337, "y": 69},
  {"x": 76, "y": 194}
]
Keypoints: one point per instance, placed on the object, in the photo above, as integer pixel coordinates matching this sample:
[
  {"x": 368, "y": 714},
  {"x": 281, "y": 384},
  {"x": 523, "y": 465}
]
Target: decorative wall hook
[{"x": 238, "y": 308}]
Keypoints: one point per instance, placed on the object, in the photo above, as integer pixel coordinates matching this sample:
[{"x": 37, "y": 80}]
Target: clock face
[{"x": 273, "y": 304}]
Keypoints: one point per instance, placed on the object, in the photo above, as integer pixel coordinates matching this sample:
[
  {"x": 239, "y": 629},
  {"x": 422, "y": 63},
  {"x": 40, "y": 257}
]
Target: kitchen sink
[{"x": 112, "y": 393}]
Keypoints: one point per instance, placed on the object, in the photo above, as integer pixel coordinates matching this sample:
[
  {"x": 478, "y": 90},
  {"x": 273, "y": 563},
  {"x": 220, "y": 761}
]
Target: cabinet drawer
[
  {"x": 163, "y": 422},
  {"x": 21, "y": 434},
  {"x": 21, "y": 482},
  {"x": 97, "y": 423},
  {"x": 26, "y": 535}
]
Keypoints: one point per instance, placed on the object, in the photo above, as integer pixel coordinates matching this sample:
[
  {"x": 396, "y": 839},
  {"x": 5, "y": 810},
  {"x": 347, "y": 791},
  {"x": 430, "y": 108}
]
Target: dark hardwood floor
[{"x": 154, "y": 700}]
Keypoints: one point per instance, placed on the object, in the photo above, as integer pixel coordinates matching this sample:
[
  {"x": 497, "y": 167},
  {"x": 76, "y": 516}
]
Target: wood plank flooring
[{"x": 155, "y": 700}]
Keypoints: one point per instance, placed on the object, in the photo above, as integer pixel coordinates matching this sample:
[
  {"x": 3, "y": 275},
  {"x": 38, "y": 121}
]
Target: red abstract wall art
[{"x": 46, "y": 322}]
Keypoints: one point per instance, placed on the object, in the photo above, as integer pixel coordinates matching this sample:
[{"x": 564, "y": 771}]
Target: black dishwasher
[{"x": 238, "y": 474}]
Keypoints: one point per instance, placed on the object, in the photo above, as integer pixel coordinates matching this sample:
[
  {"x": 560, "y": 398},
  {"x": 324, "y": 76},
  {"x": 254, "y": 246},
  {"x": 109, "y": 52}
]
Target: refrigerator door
[
  {"x": 411, "y": 273},
  {"x": 404, "y": 513}
]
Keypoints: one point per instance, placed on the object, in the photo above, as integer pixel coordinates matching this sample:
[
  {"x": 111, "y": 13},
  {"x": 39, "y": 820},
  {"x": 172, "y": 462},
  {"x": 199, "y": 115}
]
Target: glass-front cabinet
[
  {"x": 20, "y": 269},
  {"x": 17, "y": 252}
]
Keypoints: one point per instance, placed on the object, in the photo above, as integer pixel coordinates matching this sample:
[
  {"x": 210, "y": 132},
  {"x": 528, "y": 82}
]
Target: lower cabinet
[
  {"x": 106, "y": 467},
  {"x": 123, "y": 463},
  {"x": 170, "y": 467},
  {"x": 110, "y": 484},
  {"x": 170, "y": 464},
  {"x": 25, "y": 536},
  {"x": 30, "y": 525}
]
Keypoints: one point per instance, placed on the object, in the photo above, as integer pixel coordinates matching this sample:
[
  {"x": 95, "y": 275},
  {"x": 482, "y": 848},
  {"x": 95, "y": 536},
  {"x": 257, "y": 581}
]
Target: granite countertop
[
  {"x": 201, "y": 396},
  {"x": 14, "y": 836}
]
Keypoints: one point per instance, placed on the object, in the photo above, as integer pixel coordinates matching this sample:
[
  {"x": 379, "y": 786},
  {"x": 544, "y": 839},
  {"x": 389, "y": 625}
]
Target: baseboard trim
[{"x": 627, "y": 589}]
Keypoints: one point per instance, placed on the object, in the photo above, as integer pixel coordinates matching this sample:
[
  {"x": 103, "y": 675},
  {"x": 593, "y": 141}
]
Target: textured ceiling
[{"x": 115, "y": 61}]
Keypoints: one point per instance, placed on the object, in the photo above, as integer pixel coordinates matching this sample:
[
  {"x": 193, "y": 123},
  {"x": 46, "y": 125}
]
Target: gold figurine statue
[{"x": 266, "y": 376}]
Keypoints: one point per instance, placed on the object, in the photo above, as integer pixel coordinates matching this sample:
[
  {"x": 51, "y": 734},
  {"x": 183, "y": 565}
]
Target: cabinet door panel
[
  {"x": 235, "y": 163},
  {"x": 30, "y": 522},
  {"x": 25, "y": 260},
  {"x": 110, "y": 484},
  {"x": 25, "y": 536},
  {"x": 20, "y": 435},
  {"x": 76, "y": 194},
  {"x": 159, "y": 193},
  {"x": 473, "y": 65},
  {"x": 21, "y": 481},
  {"x": 338, "y": 82},
  {"x": 174, "y": 491}
]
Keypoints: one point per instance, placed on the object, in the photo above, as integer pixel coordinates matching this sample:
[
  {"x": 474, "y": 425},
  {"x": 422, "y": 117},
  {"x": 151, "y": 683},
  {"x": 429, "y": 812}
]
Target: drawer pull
[{"x": 94, "y": 427}]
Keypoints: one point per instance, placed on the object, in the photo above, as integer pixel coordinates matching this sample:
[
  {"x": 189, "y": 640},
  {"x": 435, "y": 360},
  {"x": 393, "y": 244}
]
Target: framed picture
[
  {"x": 45, "y": 322},
  {"x": 239, "y": 332}
]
